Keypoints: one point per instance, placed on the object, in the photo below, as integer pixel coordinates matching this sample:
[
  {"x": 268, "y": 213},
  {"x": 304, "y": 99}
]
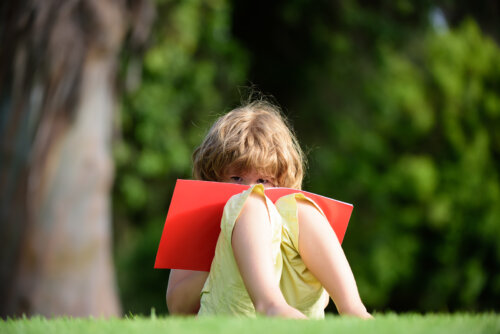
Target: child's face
[{"x": 249, "y": 178}]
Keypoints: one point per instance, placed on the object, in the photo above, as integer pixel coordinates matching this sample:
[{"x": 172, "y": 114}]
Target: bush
[
  {"x": 419, "y": 158},
  {"x": 190, "y": 74}
]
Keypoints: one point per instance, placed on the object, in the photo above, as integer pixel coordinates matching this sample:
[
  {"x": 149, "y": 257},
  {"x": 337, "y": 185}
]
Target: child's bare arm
[
  {"x": 251, "y": 242},
  {"x": 183, "y": 291},
  {"x": 322, "y": 254}
]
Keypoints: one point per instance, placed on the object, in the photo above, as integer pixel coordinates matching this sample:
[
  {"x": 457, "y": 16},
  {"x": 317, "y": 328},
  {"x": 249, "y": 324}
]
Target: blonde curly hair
[{"x": 255, "y": 136}]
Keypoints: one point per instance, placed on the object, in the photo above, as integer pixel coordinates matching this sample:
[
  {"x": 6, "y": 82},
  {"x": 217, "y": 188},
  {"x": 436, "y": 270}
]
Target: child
[{"x": 262, "y": 264}]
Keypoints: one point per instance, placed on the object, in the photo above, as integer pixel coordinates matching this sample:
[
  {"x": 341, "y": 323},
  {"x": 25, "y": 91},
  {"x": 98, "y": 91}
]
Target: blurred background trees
[
  {"x": 397, "y": 104},
  {"x": 392, "y": 101},
  {"x": 189, "y": 76},
  {"x": 58, "y": 73}
]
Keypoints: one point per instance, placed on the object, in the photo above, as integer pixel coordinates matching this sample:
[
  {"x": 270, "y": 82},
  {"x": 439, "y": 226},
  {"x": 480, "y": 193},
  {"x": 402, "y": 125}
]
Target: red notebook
[{"x": 193, "y": 221}]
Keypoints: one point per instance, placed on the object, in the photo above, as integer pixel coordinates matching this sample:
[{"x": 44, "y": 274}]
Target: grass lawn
[{"x": 384, "y": 323}]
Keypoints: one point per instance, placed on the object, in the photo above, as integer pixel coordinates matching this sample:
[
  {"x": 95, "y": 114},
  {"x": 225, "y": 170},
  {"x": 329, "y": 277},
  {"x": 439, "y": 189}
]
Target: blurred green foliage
[
  {"x": 190, "y": 73},
  {"x": 420, "y": 161},
  {"x": 401, "y": 119}
]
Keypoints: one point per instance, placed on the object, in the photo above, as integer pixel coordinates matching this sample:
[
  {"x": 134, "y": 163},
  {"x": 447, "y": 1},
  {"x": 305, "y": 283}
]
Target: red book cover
[{"x": 193, "y": 221}]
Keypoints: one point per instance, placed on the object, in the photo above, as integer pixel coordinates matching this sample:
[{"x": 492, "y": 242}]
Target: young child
[{"x": 271, "y": 259}]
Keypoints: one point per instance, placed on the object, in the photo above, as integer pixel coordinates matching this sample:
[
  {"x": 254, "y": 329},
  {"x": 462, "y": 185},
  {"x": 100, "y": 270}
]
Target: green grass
[{"x": 384, "y": 323}]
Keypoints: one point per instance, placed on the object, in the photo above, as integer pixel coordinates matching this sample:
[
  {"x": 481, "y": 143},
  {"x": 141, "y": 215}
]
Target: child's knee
[
  {"x": 308, "y": 214},
  {"x": 305, "y": 207},
  {"x": 255, "y": 205}
]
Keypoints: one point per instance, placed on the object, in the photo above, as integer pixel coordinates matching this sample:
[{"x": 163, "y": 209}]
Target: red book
[{"x": 193, "y": 221}]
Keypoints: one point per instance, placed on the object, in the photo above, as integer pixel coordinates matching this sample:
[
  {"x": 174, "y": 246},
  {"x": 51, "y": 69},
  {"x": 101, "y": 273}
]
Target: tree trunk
[{"x": 57, "y": 83}]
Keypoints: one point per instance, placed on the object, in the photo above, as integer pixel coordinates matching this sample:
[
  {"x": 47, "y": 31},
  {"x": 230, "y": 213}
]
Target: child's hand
[{"x": 285, "y": 311}]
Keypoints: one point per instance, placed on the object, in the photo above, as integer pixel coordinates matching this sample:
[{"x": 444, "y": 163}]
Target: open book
[{"x": 193, "y": 221}]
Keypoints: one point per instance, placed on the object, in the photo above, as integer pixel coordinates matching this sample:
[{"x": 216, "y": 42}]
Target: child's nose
[{"x": 251, "y": 183}]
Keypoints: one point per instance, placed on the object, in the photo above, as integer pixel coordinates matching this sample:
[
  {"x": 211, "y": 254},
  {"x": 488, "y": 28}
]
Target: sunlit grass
[{"x": 384, "y": 323}]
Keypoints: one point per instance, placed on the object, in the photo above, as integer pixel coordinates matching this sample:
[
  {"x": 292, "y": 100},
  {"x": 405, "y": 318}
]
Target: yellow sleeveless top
[{"x": 224, "y": 291}]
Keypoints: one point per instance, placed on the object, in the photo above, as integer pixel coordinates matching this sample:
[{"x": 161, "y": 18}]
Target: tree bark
[{"x": 58, "y": 75}]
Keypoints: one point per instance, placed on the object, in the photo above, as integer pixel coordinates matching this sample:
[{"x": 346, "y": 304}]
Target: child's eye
[
  {"x": 236, "y": 179},
  {"x": 266, "y": 182}
]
